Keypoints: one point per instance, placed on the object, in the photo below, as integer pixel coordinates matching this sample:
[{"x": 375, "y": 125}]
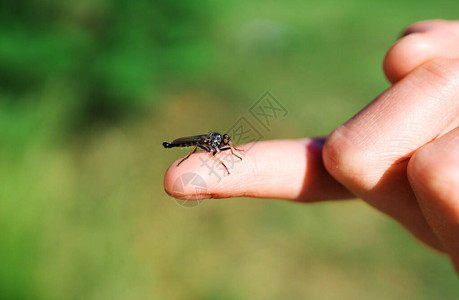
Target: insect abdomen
[{"x": 169, "y": 145}]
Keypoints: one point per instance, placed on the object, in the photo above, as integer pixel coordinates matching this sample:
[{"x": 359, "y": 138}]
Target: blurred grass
[{"x": 89, "y": 90}]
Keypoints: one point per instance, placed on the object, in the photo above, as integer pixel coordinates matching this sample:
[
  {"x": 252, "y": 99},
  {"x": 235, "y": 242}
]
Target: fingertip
[
  {"x": 202, "y": 176},
  {"x": 185, "y": 181},
  {"x": 421, "y": 42},
  {"x": 406, "y": 54}
]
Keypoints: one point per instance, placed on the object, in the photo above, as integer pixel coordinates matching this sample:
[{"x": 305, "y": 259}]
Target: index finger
[{"x": 281, "y": 169}]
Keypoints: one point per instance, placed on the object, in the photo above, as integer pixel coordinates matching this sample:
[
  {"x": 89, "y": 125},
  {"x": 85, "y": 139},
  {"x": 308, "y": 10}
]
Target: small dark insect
[{"x": 212, "y": 142}]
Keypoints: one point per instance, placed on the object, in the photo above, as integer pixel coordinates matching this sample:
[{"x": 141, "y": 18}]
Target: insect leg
[
  {"x": 232, "y": 145},
  {"x": 229, "y": 148},
  {"x": 204, "y": 147},
  {"x": 213, "y": 154},
  {"x": 192, "y": 151}
]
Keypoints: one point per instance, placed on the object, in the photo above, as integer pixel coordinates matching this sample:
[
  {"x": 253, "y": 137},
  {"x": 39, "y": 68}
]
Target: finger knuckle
[
  {"x": 432, "y": 170},
  {"x": 343, "y": 158},
  {"x": 439, "y": 76},
  {"x": 446, "y": 69}
]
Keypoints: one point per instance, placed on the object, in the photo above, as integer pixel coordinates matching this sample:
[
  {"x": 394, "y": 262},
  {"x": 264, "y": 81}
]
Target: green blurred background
[{"x": 90, "y": 88}]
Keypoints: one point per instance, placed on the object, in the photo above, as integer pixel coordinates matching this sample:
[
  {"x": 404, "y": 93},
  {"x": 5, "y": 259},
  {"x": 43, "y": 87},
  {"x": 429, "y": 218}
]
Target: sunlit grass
[{"x": 83, "y": 212}]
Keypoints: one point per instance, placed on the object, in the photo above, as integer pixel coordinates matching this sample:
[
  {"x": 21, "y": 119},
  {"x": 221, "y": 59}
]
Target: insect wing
[{"x": 190, "y": 139}]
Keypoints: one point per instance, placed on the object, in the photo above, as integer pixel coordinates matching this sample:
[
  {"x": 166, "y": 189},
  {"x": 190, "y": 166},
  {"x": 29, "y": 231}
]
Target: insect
[{"x": 212, "y": 142}]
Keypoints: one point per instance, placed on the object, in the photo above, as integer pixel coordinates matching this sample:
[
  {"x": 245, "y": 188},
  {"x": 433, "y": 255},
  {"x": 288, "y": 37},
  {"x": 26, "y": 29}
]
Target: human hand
[{"x": 400, "y": 154}]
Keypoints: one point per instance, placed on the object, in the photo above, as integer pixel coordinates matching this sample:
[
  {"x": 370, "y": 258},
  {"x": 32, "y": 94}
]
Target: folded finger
[
  {"x": 369, "y": 153},
  {"x": 421, "y": 42},
  {"x": 433, "y": 172}
]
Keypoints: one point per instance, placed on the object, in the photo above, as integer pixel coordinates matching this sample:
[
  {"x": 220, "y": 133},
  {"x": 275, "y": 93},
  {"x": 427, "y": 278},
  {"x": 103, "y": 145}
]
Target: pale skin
[{"x": 400, "y": 154}]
